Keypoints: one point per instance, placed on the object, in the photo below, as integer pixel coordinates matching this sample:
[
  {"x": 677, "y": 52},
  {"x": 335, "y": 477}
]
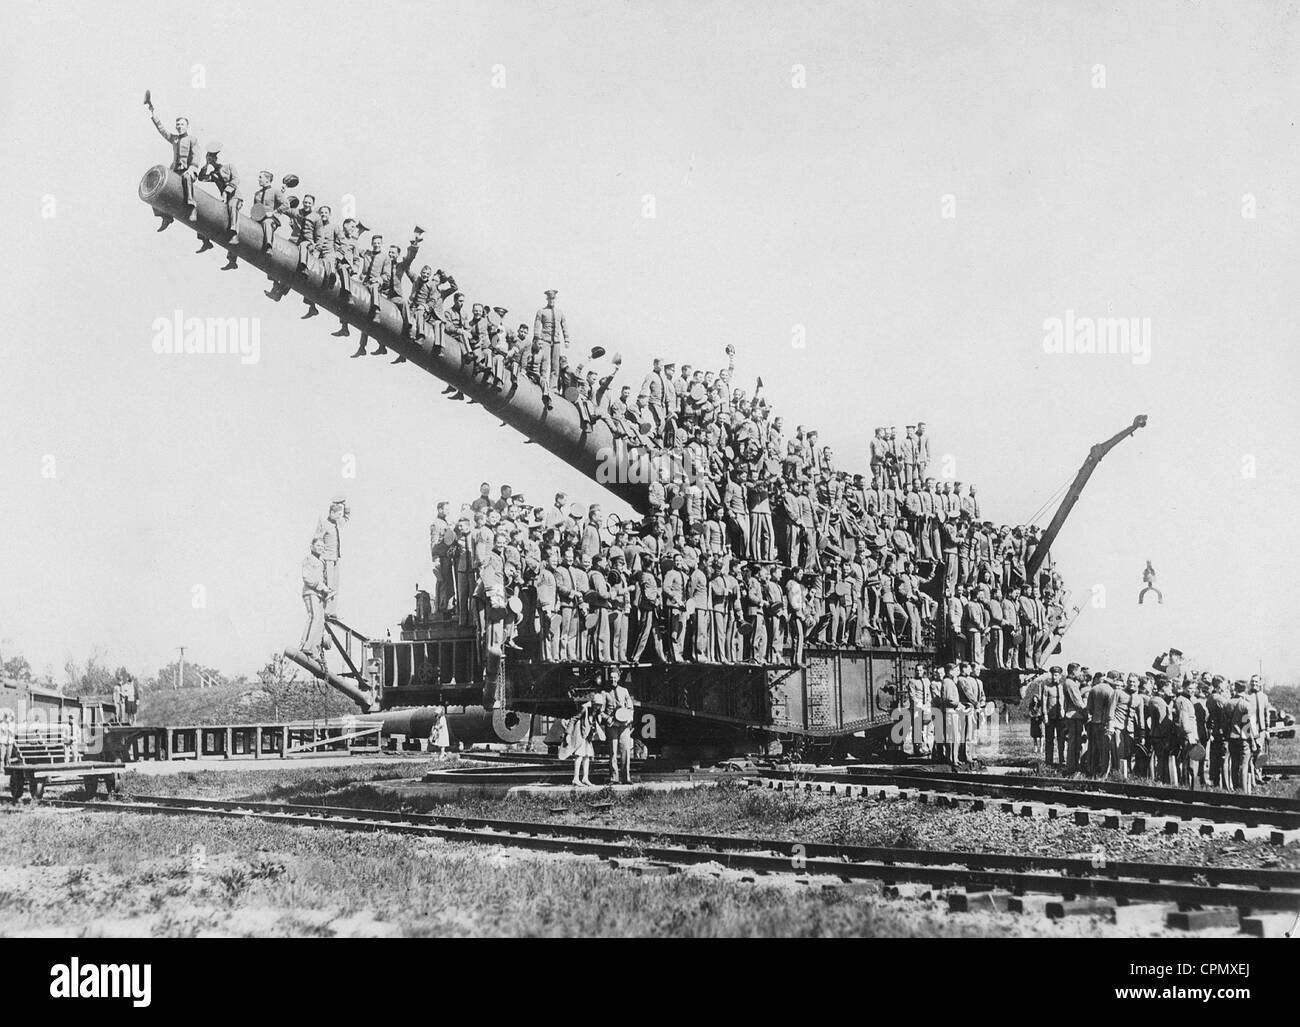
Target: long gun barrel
[{"x": 558, "y": 429}]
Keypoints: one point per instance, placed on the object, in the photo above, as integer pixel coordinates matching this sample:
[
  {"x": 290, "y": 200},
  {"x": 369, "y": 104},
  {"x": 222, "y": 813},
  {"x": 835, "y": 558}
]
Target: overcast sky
[{"x": 1098, "y": 158}]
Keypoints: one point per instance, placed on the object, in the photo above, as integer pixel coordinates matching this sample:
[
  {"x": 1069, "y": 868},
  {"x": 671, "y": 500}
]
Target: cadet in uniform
[
  {"x": 441, "y": 537},
  {"x": 1101, "y": 708},
  {"x": 327, "y": 531},
  {"x": 1240, "y": 722},
  {"x": 548, "y": 607},
  {"x": 1053, "y": 714},
  {"x": 226, "y": 180},
  {"x": 620, "y": 603},
  {"x": 1073, "y": 714},
  {"x": 619, "y": 714},
  {"x": 185, "y": 160},
  {"x": 305, "y": 231},
  {"x": 598, "y": 598},
  {"x": 268, "y": 203},
  {"x": 550, "y": 326},
  {"x": 315, "y": 593},
  {"x": 649, "y": 601},
  {"x": 920, "y": 696},
  {"x": 674, "y": 605}
]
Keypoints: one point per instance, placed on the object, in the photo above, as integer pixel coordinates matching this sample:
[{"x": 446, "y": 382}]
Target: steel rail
[
  {"x": 1249, "y": 815},
  {"x": 1073, "y": 877},
  {"x": 1133, "y": 789}
]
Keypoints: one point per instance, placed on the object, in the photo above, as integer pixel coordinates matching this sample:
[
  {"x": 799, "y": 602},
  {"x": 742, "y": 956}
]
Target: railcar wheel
[
  {"x": 37, "y": 785},
  {"x": 16, "y": 785},
  {"x": 113, "y": 783},
  {"x": 90, "y": 785}
]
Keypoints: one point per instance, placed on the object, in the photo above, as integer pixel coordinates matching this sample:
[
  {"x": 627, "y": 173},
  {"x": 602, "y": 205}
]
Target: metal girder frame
[
  {"x": 343, "y": 650},
  {"x": 828, "y": 665},
  {"x": 364, "y": 732}
]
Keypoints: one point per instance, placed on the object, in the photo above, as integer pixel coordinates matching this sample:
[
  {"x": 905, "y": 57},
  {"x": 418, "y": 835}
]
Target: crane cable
[{"x": 1056, "y": 494}]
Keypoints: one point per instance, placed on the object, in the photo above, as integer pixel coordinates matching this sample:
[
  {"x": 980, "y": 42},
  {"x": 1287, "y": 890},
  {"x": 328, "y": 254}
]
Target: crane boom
[{"x": 1072, "y": 494}]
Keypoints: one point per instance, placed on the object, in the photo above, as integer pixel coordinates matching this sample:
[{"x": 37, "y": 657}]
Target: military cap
[
  {"x": 214, "y": 147},
  {"x": 551, "y": 293},
  {"x": 1055, "y": 668},
  {"x": 500, "y": 311}
]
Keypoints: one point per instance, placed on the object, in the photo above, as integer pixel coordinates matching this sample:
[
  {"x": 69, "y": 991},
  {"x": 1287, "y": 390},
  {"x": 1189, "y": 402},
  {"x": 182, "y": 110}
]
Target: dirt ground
[{"x": 72, "y": 873}]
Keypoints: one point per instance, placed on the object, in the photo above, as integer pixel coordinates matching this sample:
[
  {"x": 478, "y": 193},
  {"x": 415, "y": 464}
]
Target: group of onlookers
[{"x": 1173, "y": 727}]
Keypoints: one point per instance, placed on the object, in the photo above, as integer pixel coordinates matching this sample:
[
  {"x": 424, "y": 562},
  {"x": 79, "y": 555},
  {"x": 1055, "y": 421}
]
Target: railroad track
[
  {"x": 1262, "y": 816},
  {"x": 1085, "y": 879}
]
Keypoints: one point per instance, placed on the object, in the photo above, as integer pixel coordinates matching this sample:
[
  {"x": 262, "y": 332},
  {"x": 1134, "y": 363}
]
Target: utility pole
[{"x": 180, "y": 668}]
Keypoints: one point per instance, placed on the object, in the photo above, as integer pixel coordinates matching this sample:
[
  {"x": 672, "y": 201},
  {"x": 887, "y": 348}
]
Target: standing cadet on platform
[
  {"x": 185, "y": 159},
  {"x": 907, "y": 457},
  {"x": 226, "y": 180},
  {"x": 327, "y": 531},
  {"x": 599, "y": 598},
  {"x": 441, "y": 537},
  {"x": 775, "y": 617},
  {"x": 315, "y": 593},
  {"x": 797, "y": 605},
  {"x": 762, "y": 539},
  {"x": 674, "y": 606},
  {"x": 649, "y": 599},
  {"x": 621, "y": 589},
  {"x": 550, "y": 326},
  {"x": 568, "y": 599},
  {"x": 578, "y": 567},
  {"x": 698, "y": 613},
  {"x": 548, "y": 607},
  {"x": 462, "y": 562}
]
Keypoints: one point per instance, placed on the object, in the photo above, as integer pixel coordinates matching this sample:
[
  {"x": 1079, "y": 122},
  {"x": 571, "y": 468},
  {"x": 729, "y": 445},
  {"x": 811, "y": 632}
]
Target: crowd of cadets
[
  {"x": 755, "y": 542},
  {"x": 1172, "y": 727},
  {"x": 432, "y": 308},
  {"x": 755, "y": 545}
]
